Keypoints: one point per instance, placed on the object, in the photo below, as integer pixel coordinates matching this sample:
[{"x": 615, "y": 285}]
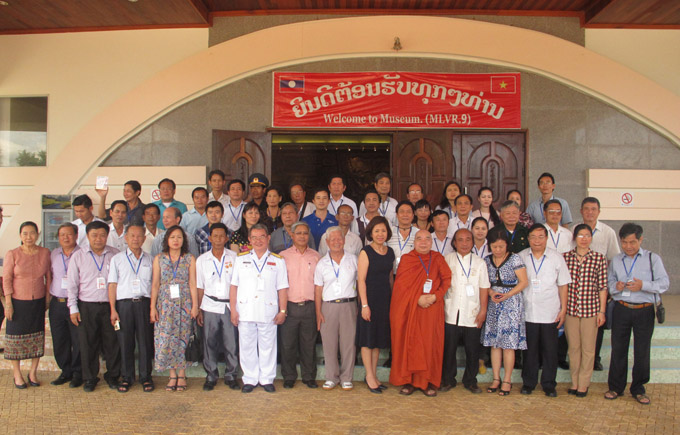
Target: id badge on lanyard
[
  {"x": 469, "y": 290},
  {"x": 101, "y": 283},
  {"x": 427, "y": 287},
  {"x": 64, "y": 283},
  {"x": 136, "y": 287},
  {"x": 174, "y": 291}
]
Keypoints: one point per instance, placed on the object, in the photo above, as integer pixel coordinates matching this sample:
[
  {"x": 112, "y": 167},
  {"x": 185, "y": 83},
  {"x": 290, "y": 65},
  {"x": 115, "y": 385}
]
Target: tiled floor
[{"x": 49, "y": 409}]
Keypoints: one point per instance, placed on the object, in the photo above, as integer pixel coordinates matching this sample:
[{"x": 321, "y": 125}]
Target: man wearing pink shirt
[{"x": 298, "y": 332}]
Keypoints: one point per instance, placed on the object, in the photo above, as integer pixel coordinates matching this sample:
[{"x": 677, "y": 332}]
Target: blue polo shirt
[{"x": 318, "y": 227}]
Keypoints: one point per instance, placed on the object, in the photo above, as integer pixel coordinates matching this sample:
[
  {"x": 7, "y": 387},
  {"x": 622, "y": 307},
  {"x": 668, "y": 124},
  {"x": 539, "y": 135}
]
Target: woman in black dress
[{"x": 375, "y": 291}]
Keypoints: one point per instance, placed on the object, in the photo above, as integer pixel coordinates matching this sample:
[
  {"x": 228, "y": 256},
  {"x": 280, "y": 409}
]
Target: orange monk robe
[{"x": 418, "y": 333}]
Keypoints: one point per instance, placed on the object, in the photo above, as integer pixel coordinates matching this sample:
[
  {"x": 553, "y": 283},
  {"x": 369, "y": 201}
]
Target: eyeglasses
[
  {"x": 584, "y": 236},
  {"x": 537, "y": 237},
  {"x": 554, "y": 211},
  {"x": 345, "y": 213},
  {"x": 258, "y": 237},
  {"x": 305, "y": 233},
  {"x": 415, "y": 191}
]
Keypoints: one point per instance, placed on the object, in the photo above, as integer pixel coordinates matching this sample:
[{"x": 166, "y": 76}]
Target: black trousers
[
  {"x": 65, "y": 339},
  {"x": 96, "y": 335},
  {"x": 298, "y": 339},
  {"x": 542, "y": 343},
  {"x": 641, "y": 323},
  {"x": 135, "y": 327},
  {"x": 470, "y": 337}
]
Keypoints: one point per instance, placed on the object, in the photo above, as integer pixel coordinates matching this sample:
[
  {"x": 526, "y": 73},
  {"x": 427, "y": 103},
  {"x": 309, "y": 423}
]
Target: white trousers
[{"x": 257, "y": 352}]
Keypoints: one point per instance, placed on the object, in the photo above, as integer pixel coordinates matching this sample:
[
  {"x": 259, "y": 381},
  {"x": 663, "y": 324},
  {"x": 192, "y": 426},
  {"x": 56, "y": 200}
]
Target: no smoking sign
[
  {"x": 155, "y": 195},
  {"x": 626, "y": 199}
]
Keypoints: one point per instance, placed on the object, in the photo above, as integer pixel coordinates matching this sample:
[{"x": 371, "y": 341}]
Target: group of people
[{"x": 384, "y": 275}]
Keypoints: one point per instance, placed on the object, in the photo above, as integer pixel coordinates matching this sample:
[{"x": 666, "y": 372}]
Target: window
[{"x": 23, "y": 131}]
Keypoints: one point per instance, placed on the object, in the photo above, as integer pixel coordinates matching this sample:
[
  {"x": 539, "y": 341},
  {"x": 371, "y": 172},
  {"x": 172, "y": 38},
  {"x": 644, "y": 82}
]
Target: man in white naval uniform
[{"x": 259, "y": 292}]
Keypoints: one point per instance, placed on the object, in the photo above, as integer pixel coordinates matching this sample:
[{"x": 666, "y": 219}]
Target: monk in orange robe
[{"x": 417, "y": 318}]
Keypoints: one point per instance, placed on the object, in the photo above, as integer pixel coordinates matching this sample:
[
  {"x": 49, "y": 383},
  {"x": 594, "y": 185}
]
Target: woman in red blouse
[
  {"x": 26, "y": 277},
  {"x": 586, "y": 304}
]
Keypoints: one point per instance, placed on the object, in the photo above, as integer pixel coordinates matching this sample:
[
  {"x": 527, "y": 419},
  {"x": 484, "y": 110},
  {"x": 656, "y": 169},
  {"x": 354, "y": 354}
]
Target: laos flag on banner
[{"x": 397, "y": 100}]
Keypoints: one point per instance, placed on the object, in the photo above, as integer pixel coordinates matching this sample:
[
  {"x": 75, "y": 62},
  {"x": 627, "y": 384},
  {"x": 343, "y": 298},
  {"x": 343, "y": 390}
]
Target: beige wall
[
  {"x": 84, "y": 72},
  {"x": 653, "y": 53}
]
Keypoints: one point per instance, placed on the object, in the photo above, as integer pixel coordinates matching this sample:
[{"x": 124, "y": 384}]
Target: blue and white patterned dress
[{"x": 504, "y": 327}]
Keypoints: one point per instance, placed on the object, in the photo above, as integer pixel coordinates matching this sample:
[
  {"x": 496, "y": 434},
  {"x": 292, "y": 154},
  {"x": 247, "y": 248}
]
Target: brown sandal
[
  {"x": 611, "y": 395},
  {"x": 642, "y": 399},
  {"x": 430, "y": 391},
  {"x": 181, "y": 387},
  {"x": 407, "y": 390}
]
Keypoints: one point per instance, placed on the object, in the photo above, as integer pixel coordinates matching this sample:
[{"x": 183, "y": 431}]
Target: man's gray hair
[
  {"x": 332, "y": 230},
  {"x": 288, "y": 204},
  {"x": 508, "y": 204},
  {"x": 258, "y": 227}
]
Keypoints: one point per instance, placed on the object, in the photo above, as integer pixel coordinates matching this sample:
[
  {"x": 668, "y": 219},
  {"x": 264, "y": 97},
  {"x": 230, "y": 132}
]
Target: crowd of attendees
[{"x": 261, "y": 272}]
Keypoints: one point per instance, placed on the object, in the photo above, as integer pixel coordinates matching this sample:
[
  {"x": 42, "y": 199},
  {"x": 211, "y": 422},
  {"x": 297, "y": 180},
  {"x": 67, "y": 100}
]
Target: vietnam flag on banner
[{"x": 396, "y": 100}]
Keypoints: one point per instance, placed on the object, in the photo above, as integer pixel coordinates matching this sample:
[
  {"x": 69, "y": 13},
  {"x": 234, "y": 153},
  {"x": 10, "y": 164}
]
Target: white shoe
[
  {"x": 347, "y": 386},
  {"x": 329, "y": 385}
]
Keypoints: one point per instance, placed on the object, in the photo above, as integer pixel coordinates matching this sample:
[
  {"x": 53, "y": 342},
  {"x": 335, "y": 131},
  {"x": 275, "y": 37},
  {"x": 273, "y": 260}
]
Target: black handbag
[
  {"x": 194, "y": 350},
  {"x": 660, "y": 310}
]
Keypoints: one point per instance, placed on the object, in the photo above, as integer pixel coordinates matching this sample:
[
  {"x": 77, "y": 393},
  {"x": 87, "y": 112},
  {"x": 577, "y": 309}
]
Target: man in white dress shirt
[
  {"x": 335, "y": 281},
  {"x": 216, "y": 180},
  {"x": 388, "y": 205},
  {"x": 606, "y": 242},
  {"x": 129, "y": 282},
  {"x": 150, "y": 216},
  {"x": 345, "y": 219},
  {"x": 441, "y": 238},
  {"x": 465, "y": 307},
  {"x": 545, "y": 306},
  {"x": 404, "y": 233},
  {"x": 214, "y": 270},
  {"x": 559, "y": 237},
  {"x": 117, "y": 238},
  {"x": 462, "y": 218},
  {"x": 82, "y": 208},
  {"x": 337, "y": 187},
  {"x": 259, "y": 287}
]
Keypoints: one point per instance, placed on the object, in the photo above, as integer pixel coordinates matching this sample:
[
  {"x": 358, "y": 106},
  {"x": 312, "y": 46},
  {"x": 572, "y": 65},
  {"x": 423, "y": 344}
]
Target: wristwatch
[{"x": 282, "y": 311}]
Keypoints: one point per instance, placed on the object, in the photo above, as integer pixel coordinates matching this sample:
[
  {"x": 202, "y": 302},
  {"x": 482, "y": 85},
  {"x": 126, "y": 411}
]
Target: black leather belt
[
  {"x": 217, "y": 300},
  {"x": 342, "y": 301},
  {"x": 139, "y": 299},
  {"x": 301, "y": 304}
]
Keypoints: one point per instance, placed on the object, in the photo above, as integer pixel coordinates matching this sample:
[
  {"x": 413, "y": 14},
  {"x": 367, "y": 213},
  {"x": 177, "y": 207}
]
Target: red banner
[{"x": 397, "y": 99}]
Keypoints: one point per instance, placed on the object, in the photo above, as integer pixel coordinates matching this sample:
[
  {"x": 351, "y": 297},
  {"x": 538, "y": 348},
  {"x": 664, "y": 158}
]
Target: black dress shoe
[
  {"x": 247, "y": 388},
  {"x": 90, "y": 385},
  {"x": 564, "y": 365},
  {"x": 582, "y": 394},
  {"x": 551, "y": 393},
  {"x": 61, "y": 380},
  {"x": 113, "y": 383},
  {"x": 232, "y": 384},
  {"x": 445, "y": 387},
  {"x": 375, "y": 390},
  {"x": 76, "y": 382},
  {"x": 209, "y": 385},
  {"x": 311, "y": 384},
  {"x": 21, "y": 386},
  {"x": 572, "y": 391},
  {"x": 526, "y": 390},
  {"x": 382, "y": 387},
  {"x": 598, "y": 366},
  {"x": 288, "y": 384},
  {"x": 31, "y": 383},
  {"x": 269, "y": 388},
  {"x": 474, "y": 389}
]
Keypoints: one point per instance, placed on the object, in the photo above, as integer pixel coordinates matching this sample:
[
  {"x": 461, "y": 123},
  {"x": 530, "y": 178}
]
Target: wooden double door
[
  {"x": 432, "y": 158},
  {"x": 429, "y": 158}
]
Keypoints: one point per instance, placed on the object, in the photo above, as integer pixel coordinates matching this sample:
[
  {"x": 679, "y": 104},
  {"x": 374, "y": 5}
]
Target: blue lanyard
[
  {"x": 467, "y": 274},
  {"x": 513, "y": 235},
  {"x": 534, "y": 264},
  {"x": 138, "y": 264},
  {"x": 63, "y": 260},
  {"x": 477, "y": 250},
  {"x": 260, "y": 269},
  {"x": 238, "y": 215},
  {"x": 99, "y": 268},
  {"x": 221, "y": 269},
  {"x": 553, "y": 239},
  {"x": 174, "y": 266},
  {"x": 380, "y": 209},
  {"x": 429, "y": 263},
  {"x": 467, "y": 225},
  {"x": 436, "y": 245},
  {"x": 335, "y": 210},
  {"x": 594, "y": 231},
  {"x": 629, "y": 273},
  {"x": 337, "y": 274},
  {"x": 401, "y": 247},
  {"x": 286, "y": 244}
]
